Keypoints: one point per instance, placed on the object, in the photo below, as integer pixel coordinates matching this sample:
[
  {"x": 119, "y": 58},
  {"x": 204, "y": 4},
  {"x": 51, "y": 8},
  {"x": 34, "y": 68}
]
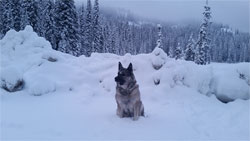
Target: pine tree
[
  {"x": 102, "y": 41},
  {"x": 41, "y": 16},
  {"x": 63, "y": 42},
  {"x": 173, "y": 46},
  {"x": 29, "y": 14},
  {"x": 202, "y": 56},
  {"x": 106, "y": 36},
  {"x": 66, "y": 27},
  {"x": 189, "y": 52},
  {"x": 49, "y": 22},
  {"x": 82, "y": 22},
  {"x": 96, "y": 29},
  {"x": 1, "y": 21},
  {"x": 24, "y": 15},
  {"x": 159, "y": 41},
  {"x": 88, "y": 29},
  {"x": 172, "y": 51},
  {"x": 113, "y": 41},
  {"x": 25, "y": 19},
  {"x": 178, "y": 52},
  {"x": 15, "y": 14},
  {"x": 230, "y": 48},
  {"x": 6, "y": 16}
]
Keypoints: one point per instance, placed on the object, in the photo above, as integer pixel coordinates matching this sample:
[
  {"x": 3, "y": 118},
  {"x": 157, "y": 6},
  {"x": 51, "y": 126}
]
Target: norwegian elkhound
[{"x": 127, "y": 94}]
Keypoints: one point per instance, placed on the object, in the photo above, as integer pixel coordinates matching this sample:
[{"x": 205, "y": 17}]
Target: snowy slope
[{"x": 65, "y": 97}]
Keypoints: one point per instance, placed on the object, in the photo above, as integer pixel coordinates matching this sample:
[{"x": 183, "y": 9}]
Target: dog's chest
[{"x": 127, "y": 102}]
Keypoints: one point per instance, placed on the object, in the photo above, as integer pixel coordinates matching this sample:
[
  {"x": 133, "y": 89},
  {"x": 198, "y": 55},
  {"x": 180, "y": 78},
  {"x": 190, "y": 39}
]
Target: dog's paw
[{"x": 135, "y": 118}]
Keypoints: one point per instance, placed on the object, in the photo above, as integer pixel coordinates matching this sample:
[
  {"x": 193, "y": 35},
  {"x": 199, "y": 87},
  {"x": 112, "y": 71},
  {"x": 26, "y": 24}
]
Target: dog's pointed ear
[
  {"x": 130, "y": 67},
  {"x": 120, "y": 66}
]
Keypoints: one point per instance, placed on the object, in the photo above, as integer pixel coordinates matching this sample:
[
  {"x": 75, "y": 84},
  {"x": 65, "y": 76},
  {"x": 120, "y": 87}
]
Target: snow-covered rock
[{"x": 11, "y": 79}]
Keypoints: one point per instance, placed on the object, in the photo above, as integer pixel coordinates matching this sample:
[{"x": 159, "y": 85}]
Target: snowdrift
[
  {"x": 180, "y": 97},
  {"x": 29, "y": 58}
]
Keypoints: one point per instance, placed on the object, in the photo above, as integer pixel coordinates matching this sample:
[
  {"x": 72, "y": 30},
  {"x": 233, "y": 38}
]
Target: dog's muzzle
[{"x": 119, "y": 80}]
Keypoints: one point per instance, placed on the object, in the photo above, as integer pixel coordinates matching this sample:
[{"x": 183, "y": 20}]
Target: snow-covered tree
[
  {"x": 113, "y": 41},
  {"x": 107, "y": 37},
  {"x": 96, "y": 45},
  {"x": 88, "y": 29},
  {"x": 202, "y": 56},
  {"x": 29, "y": 11},
  {"x": 67, "y": 27},
  {"x": 64, "y": 42},
  {"x": 24, "y": 17},
  {"x": 189, "y": 52},
  {"x": 48, "y": 24},
  {"x": 159, "y": 56},
  {"x": 41, "y": 16},
  {"x": 178, "y": 52},
  {"x": 159, "y": 41},
  {"x": 1, "y": 21},
  {"x": 16, "y": 14},
  {"x": 82, "y": 22},
  {"x": 6, "y": 21}
]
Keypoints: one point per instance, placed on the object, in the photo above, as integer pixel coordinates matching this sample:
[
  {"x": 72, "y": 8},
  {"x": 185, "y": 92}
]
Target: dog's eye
[{"x": 122, "y": 74}]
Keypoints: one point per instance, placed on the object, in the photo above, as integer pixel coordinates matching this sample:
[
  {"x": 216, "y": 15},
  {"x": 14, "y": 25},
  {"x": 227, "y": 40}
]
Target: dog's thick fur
[{"x": 127, "y": 94}]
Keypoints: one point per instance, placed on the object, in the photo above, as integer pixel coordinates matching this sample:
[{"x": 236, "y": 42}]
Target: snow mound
[
  {"x": 40, "y": 85},
  {"x": 231, "y": 82},
  {"x": 32, "y": 55},
  {"x": 21, "y": 52},
  {"x": 22, "y": 49}
]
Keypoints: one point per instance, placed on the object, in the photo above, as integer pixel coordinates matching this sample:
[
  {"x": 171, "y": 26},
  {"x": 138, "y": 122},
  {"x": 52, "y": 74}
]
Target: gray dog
[{"x": 127, "y": 94}]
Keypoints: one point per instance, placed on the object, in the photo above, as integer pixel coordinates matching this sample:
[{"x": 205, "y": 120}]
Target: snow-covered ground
[{"x": 70, "y": 98}]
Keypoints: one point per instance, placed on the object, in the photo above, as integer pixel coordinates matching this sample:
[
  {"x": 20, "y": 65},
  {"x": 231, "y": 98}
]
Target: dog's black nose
[{"x": 116, "y": 79}]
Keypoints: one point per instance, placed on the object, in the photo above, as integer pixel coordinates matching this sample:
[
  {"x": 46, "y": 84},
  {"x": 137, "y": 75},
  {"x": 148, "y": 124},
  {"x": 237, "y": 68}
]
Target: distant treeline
[{"x": 84, "y": 29}]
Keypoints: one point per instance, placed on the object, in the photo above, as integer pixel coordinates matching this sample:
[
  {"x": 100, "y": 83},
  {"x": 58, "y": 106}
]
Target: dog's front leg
[
  {"x": 119, "y": 111},
  {"x": 137, "y": 110}
]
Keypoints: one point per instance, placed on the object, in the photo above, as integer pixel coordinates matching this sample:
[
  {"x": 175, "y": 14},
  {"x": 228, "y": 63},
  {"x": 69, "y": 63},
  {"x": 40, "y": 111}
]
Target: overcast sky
[{"x": 232, "y": 12}]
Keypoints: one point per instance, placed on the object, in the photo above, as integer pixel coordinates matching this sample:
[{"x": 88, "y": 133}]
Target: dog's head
[{"x": 125, "y": 75}]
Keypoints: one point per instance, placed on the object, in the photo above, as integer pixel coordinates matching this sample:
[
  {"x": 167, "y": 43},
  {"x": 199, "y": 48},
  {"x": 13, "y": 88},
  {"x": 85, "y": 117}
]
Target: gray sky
[{"x": 232, "y": 12}]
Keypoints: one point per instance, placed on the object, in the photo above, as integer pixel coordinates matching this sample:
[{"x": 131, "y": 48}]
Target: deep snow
[{"x": 66, "y": 97}]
